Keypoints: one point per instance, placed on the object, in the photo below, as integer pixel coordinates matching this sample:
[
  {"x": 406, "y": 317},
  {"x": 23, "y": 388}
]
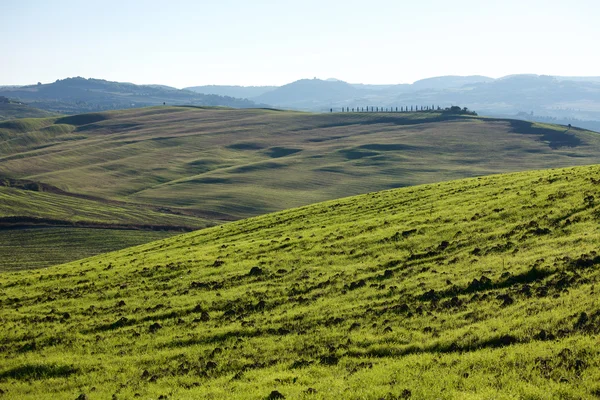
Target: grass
[
  {"x": 189, "y": 167},
  {"x": 63, "y": 227},
  {"x": 242, "y": 163},
  {"x": 10, "y": 111},
  {"x": 31, "y": 248},
  {"x": 473, "y": 289},
  {"x": 15, "y": 202}
]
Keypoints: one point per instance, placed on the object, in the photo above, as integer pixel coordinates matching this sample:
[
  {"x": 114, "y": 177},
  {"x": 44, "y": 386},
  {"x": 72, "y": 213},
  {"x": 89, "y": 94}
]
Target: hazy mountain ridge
[
  {"x": 77, "y": 95},
  {"x": 564, "y": 100},
  {"x": 535, "y": 97},
  {"x": 242, "y": 92}
]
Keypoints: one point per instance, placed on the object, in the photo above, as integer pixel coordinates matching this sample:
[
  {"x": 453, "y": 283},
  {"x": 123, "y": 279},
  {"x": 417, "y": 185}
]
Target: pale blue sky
[{"x": 185, "y": 43}]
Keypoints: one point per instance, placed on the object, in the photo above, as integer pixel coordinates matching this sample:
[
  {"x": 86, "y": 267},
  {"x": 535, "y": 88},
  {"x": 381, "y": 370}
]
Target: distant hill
[
  {"x": 10, "y": 109},
  {"x": 579, "y": 78},
  {"x": 308, "y": 93},
  {"x": 541, "y": 95},
  {"x": 543, "y": 98},
  {"x": 78, "y": 95},
  {"x": 447, "y": 82},
  {"x": 242, "y": 92}
]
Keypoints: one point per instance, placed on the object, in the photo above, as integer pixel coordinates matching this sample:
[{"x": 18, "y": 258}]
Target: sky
[{"x": 260, "y": 42}]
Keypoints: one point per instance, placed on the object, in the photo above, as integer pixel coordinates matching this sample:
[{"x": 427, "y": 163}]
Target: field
[
  {"x": 473, "y": 289},
  {"x": 29, "y": 248},
  {"x": 241, "y": 163},
  {"x": 184, "y": 168},
  {"x": 41, "y": 226},
  {"x": 11, "y": 110}
]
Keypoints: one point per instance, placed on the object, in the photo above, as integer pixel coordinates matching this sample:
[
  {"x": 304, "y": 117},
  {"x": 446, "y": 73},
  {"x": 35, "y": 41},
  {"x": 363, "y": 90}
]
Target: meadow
[
  {"x": 184, "y": 168},
  {"x": 41, "y": 228},
  {"x": 471, "y": 289},
  {"x": 232, "y": 164}
]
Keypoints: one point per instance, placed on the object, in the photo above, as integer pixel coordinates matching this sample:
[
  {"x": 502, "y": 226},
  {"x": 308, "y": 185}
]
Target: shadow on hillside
[
  {"x": 483, "y": 284},
  {"x": 38, "y": 371},
  {"x": 555, "y": 139},
  {"x": 81, "y": 119},
  {"x": 441, "y": 348}
]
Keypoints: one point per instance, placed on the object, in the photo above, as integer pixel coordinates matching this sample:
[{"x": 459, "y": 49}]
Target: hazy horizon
[
  {"x": 2, "y": 84},
  {"x": 267, "y": 43}
]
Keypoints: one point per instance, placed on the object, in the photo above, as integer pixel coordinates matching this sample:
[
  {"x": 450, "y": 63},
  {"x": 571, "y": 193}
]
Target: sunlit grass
[{"x": 474, "y": 289}]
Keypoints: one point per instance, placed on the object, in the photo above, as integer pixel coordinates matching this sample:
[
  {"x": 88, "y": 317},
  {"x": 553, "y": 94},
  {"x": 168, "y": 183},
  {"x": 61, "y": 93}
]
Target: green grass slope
[
  {"x": 56, "y": 209},
  {"x": 30, "y": 248},
  {"x": 12, "y": 110},
  {"x": 242, "y": 163},
  {"x": 42, "y": 226},
  {"x": 473, "y": 289}
]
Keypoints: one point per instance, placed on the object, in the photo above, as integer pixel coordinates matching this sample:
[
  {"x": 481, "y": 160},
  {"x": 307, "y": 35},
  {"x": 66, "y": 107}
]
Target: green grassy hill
[
  {"x": 29, "y": 247},
  {"x": 473, "y": 289}
]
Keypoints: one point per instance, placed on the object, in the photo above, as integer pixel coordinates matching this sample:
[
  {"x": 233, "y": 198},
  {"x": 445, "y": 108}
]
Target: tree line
[{"x": 404, "y": 109}]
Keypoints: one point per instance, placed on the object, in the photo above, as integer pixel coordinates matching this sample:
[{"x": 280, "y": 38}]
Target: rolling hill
[
  {"x": 558, "y": 99},
  {"x": 79, "y": 95},
  {"x": 172, "y": 168},
  {"x": 241, "y": 163},
  {"x": 479, "y": 288},
  {"x": 242, "y": 92},
  {"x": 41, "y": 225},
  {"x": 10, "y": 109}
]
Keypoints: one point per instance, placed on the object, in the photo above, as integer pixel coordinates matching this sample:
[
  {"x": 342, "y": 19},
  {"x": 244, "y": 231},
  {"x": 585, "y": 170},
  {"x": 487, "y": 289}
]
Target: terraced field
[{"x": 473, "y": 289}]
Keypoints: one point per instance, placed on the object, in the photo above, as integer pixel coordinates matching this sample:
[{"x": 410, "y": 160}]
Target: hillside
[
  {"x": 240, "y": 163},
  {"x": 312, "y": 94},
  {"x": 448, "y": 82},
  {"x": 480, "y": 288},
  {"x": 563, "y": 100},
  {"x": 41, "y": 225},
  {"x": 168, "y": 169},
  {"x": 242, "y": 92},
  {"x": 80, "y": 95},
  {"x": 10, "y": 109}
]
